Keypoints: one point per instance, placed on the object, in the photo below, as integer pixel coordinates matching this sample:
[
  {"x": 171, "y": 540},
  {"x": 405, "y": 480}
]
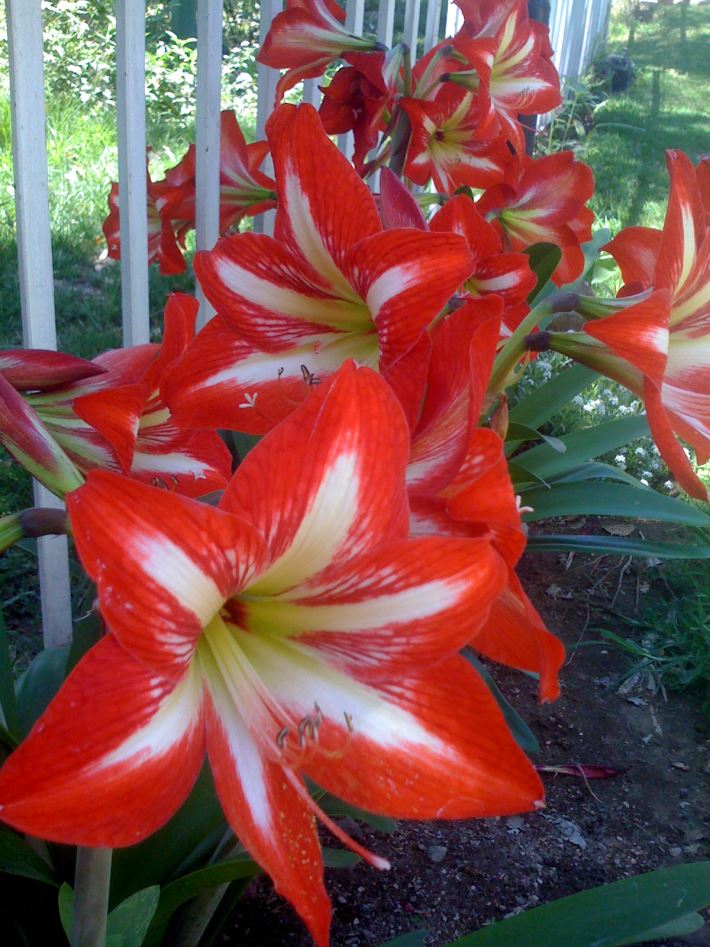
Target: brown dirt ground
[{"x": 655, "y": 815}]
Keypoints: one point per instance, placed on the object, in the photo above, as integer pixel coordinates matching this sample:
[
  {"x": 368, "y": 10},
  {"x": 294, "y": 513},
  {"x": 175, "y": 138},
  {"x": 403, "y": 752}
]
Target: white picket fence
[{"x": 575, "y": 26}]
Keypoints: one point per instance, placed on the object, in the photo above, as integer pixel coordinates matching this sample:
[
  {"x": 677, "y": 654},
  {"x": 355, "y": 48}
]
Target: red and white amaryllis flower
[
  {"x": 459, "y": 485},
  {"x": 108, "y": 413},
  {"x": 511, "y": 54},
  {"x": 451, "y": 142},
  {"x": 660, "y": 347},
  {"x": 292, "y": 631},
  {"x": 244, "y": 190},
  {"x": 163, "y": 247},
  {"x": 330, "y": 285},
  {"x": 306, "y": 38},
  {"x": 543, "y": 200}
]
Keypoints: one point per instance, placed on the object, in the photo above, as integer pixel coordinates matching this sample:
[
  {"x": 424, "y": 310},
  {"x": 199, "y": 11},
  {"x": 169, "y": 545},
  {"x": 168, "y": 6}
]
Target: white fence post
[
  {"x": 132, "y": 190},
  {"x": 354, "y": 19},
  {"x": 267, "y": 79},
  {"x": 207, "y": 143},
  {"x": 411, "y": 26},
  {"x": 34, "y": 251}
]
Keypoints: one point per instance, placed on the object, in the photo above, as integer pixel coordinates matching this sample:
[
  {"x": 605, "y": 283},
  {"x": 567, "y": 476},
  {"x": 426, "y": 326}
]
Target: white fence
[{"x": 574, "y": 25}]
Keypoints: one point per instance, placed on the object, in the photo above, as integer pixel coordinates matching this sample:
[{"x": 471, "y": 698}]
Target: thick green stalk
[
  {"x": 91, "y": 886},
  {"x": 515, "y": 347}
]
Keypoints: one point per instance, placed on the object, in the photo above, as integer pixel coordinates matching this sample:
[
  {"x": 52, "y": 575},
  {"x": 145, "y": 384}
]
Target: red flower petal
[
  {"x": 175, "y": 560},
  {"x": 269, "y": 819},
  {"x": 112, "y": 758},
  {"x": 515, "y": 635},
  {"x": 327, "y": 483}
]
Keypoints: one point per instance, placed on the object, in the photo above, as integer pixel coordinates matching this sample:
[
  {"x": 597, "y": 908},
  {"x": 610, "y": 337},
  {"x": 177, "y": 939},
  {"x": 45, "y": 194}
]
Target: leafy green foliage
[{"x": 658, "y": 904}]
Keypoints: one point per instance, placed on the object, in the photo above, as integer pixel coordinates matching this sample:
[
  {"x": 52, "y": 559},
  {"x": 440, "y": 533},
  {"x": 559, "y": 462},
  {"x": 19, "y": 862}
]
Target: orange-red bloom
[{"x": 293, "y": 631}]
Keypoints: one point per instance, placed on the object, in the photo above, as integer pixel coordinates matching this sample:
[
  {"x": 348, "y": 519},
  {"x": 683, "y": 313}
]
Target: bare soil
[{"x": 452, "y": 878}]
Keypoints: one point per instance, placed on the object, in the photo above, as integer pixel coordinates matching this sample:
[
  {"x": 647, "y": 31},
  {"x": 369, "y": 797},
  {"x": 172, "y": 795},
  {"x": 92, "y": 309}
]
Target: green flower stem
[
  {"x": 516, "y": 346},
  {"x": 31, "y": 523},
  {"x": 91, "y": 887}
]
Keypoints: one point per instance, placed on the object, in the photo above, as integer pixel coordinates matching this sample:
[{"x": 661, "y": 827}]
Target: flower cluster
[
  {"x": 306, "y": 620},
  {"x": 654, "y": 337},
  {"x": 310, "y": 624}
]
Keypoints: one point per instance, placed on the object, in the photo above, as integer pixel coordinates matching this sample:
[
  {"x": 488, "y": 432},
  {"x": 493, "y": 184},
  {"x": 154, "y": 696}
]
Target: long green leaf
[
  {"x": 609, "y": 499},
  {"x": 582, "y": 446},
  {"x": 596, "y": 471},
  {"x": 131, "y": 919},
  {"x": 544, "y": 258},
  {"x": 192, "y": 885},
  {"x": 17, "y": 858},
  {"x": 197, "y": 882},
  {"x": 538, "y": 407},
  {"x": 38, "y": 685},
  {"x": 679, "y": 928},
  {"x": 521, "y": 432},
  {"x": 616, "y": 546},
  {"x": 624, "y": 912},
  {"x": 411, "y": 939},
  {"x": 8, "y": 700}
]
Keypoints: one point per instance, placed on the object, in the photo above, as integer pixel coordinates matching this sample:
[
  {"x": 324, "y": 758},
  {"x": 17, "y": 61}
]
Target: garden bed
[{"x": 451, "y": 878}]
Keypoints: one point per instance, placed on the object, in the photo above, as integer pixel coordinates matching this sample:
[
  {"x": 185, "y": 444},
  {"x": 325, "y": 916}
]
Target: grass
[
  {"x": 668, "y": 648},
  {"x": 666, "y": 107}
]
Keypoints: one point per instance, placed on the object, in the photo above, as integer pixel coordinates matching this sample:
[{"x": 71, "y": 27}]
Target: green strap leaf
[
  {"x": 38, "y": 685},
  {"x": 597, "y": 471},
  {"x": 544, "y": 258},
  {"x": 521, "y": 432},
  {"x": 609, "y": 499},
  {"x": 17, "y": 858},
  {"x": 625, "y": 912},
  {"x": 8, "y": 701},
  {"x": 192, "y": 885},
  {"x": 544, "y": 401},
  {"x": 616, "y": 546},
  {"x": 581, "y": 446},
  {"x": 412, "y": 939},
  {"x": 131, "y": 919},
  {"x": 233, "y": 869}
]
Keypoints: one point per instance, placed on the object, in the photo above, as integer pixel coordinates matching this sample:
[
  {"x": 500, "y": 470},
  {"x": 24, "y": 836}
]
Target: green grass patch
[{"x": 666, "y": 107}]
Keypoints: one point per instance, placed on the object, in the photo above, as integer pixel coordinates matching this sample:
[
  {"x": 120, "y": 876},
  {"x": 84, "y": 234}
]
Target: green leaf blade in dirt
[
  {"x": 524, "y": 737},
  {"x": 17, "y": 858},
  {"x": 538, "y": 407},
  {"x": 684, "y": 925},
  {"x": 615, "y": 546},
  {"x": 544, "y": 258},
  {"x": 600, "y": 498},
  {"x": 623, "y": 912},
  {"x": 581, "y": 446},
  {"x": 412, "y": 939}
]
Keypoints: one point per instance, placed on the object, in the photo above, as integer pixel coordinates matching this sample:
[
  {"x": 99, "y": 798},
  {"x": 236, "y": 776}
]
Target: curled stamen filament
[{"x": 375, "y": 860}]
